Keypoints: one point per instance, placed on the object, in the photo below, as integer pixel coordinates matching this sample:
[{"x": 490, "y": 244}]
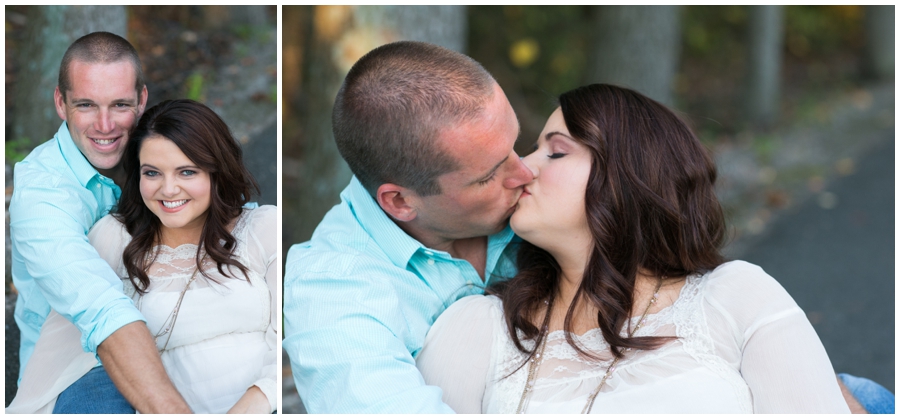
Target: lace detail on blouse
[{"x": 565, "y": 374}]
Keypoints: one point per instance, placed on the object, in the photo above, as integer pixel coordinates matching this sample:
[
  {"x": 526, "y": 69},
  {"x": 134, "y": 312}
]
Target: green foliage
[
  {"x": 194, "y": 87},
  {"x": 16, "y": 150},
  {"x": 820, "y": 31}
]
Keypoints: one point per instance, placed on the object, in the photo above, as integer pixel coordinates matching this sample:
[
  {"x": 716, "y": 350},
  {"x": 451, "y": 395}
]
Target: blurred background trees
[{"x": 736, "y": 72}]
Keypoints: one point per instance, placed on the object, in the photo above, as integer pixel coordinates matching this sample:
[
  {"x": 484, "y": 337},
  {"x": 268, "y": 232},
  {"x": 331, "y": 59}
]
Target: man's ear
[
  {"x": 142, "y": 102},
  {"x": 397, "y": 201},
  {"x": 60, "y": 104}
]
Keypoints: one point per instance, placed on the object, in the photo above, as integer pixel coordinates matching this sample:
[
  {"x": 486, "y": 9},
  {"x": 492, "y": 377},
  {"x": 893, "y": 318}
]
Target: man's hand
[
  {"x": 132, "y": 361},
  {"x": 852, "y": 403},
  {"x": 253, "y": 401}
]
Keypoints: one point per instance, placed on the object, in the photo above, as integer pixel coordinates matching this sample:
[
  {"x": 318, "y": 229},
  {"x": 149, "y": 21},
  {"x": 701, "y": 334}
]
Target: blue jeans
[
  {"x": 93, "y": 393},
  {"x": 871, "y": 395}
]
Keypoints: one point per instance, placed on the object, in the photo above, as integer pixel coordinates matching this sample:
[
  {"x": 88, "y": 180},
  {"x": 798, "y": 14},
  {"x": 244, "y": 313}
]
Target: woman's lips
[{"x": 173, "y": 206}]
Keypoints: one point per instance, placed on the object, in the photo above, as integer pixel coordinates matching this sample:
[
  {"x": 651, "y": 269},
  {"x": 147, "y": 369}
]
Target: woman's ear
[{"x": 397, "y": 201}]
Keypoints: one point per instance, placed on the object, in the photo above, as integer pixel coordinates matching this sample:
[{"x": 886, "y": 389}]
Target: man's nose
[
  {"x": 104, "y": 123},
  {"x": 521, "y": 174}
]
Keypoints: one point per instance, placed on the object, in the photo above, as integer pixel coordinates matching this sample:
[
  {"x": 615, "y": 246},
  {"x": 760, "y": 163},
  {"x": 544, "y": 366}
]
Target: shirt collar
[
  {"x": 398, "y": 245},
  {"x": 76, "y": 161}
]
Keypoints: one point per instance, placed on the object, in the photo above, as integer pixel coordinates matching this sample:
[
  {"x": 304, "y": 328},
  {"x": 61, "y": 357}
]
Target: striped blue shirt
[
  {"x": 57, "y": 197},
  {"x": 359, "y": 298}
]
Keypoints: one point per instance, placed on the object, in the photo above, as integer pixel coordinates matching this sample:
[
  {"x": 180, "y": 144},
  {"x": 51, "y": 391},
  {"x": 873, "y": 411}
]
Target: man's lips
[{"x": 107, "y": 142}]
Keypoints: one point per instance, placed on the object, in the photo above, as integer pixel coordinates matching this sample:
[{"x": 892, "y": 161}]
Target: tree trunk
[
  {"x": 637, "y": 47},
  {"x": 333, "y": 38},
  {"x": 766, "y": 41},
  {"x": 51, "y": 29},
  {"x": 879, "y": 51}
]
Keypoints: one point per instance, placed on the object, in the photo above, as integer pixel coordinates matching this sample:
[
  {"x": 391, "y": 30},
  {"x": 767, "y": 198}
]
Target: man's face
[
  {"x": 478, "y": 198},
  {"x": 100, "y": 109}
]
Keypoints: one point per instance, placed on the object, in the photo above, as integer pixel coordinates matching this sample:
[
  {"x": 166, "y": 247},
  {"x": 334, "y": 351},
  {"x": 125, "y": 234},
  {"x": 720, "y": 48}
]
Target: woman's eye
[
  {"x": 151, "y": 173},
  {"x": 556, "y": 155},
  {"x": 188, "y": 172}
]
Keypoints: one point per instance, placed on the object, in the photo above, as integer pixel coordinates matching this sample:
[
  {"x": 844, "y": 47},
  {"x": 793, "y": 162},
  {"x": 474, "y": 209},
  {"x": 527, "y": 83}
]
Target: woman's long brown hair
[
  {"x": 206, "y": 140},
  {"x": 650, "y": 205}
]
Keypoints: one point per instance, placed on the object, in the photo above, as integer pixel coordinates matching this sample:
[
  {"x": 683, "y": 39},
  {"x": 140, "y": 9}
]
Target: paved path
[{"x": 838, "y": 264}]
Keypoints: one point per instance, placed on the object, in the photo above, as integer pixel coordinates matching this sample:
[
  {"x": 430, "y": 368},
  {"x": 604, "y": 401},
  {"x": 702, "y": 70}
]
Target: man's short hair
[
  {"x": 393, "y": 105},
  {"x": 99, "y": 47}
]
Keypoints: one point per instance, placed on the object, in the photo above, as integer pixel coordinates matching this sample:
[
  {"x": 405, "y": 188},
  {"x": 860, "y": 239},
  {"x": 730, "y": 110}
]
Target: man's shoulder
[
  {"x": 340, "y": 245},
  {"x": 44, "y": 165}
]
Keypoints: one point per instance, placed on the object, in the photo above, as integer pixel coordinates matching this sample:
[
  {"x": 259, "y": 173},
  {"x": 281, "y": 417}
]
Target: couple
[
  {"x": 173, "y": 290},
  {"x": 599, "y": 253}
]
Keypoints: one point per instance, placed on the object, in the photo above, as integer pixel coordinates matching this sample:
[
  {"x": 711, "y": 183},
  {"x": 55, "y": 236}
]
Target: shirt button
[
  {"x": 470, "y": 284},
  {"x": 431, "y": 261},
  {"x": 429, "y": 252}
]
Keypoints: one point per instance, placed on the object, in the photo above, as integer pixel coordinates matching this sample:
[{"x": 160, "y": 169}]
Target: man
[
  {"x": 60, "y": 190},
  {"x": 429, "y": 136}
]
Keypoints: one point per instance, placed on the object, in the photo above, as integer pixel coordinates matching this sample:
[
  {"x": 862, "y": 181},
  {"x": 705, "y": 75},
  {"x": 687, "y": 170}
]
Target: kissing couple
[{"x": 586, "y": 276}]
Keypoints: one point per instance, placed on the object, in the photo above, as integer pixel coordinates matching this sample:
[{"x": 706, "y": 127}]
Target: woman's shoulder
[
  {"x": 471, "y": 310},
  {"x": 740, "y": 277},
  {"x": 262, "y": 217},
  {"x": 746, "y": 292},
  {"x": 106, "y": 228}
]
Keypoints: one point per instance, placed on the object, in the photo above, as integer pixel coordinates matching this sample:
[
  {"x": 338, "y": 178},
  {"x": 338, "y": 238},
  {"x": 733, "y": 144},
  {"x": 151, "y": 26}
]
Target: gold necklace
[
  {"x": 535, "y": 362},
  {"x": 169, "y": 324}
]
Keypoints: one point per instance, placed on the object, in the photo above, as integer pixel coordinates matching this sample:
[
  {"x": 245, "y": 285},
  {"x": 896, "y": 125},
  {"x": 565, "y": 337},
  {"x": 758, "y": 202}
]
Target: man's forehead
[{"x": 114, "y": 75}]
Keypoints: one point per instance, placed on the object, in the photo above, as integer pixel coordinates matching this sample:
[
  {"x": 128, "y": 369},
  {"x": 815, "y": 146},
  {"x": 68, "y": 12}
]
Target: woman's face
[
  {"x": 173, "y": 187},
  {"x": 550, "y": 213}
]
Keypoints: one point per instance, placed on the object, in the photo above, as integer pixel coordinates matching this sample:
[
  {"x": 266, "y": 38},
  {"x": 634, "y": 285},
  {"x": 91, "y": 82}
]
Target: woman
[
  {"x": 623, "y": 302},
  {"x": 199, "y": 266}
]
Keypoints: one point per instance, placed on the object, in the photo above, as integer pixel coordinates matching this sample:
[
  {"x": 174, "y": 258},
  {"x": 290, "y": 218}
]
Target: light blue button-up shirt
[
  {"x": 359, "y": 298},
  {"x": 57, "y": 197}
]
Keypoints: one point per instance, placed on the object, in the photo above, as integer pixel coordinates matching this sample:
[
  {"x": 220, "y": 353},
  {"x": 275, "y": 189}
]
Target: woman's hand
[{"x": 253, "y": 401}]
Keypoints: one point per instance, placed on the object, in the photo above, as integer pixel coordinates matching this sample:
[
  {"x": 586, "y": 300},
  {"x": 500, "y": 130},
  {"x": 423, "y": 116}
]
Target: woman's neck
[{"x": 174, "y": 237}]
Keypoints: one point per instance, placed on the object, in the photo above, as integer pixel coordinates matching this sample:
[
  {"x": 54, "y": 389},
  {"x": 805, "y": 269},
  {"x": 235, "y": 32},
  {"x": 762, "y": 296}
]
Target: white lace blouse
[
  {"x": 743, "y": 346},
  {"x": 223, "y": 342}
]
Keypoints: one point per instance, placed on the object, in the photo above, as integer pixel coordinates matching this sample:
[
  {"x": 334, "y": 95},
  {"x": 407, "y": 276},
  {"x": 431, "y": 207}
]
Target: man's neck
[
  {"x": 473, "y": 249},
  {"x": 117, "y": 174}
]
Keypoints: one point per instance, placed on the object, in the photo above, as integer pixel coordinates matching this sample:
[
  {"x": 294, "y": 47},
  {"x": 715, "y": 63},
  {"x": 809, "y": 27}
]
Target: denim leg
[
  {"x": 871, "y": 395},
  {"x": 93, "y": 393}
]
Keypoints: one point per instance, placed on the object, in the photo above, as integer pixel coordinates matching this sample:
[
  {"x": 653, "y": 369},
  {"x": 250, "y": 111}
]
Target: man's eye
[{"x": 485, "y": 182}]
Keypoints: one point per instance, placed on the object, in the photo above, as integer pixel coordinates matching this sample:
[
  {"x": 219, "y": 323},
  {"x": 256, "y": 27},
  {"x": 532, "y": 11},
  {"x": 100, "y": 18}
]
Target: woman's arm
[
  {"x": 781, "y": 357},
  {"x": 260, "y": 397}
]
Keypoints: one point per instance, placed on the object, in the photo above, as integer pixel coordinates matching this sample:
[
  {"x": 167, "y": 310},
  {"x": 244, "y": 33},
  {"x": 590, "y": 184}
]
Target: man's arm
[
  {"x": 344, "y": 338},
  {"x": 130, "y": 358},
  {"x": 48, "y": 230}
]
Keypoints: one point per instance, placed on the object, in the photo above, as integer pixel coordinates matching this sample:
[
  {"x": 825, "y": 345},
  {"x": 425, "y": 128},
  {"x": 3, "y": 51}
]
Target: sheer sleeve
[
  {"x": 456, "y": 355},
  {"x": 781, "y": 357},
  {"x": 262, "y": 242}
]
